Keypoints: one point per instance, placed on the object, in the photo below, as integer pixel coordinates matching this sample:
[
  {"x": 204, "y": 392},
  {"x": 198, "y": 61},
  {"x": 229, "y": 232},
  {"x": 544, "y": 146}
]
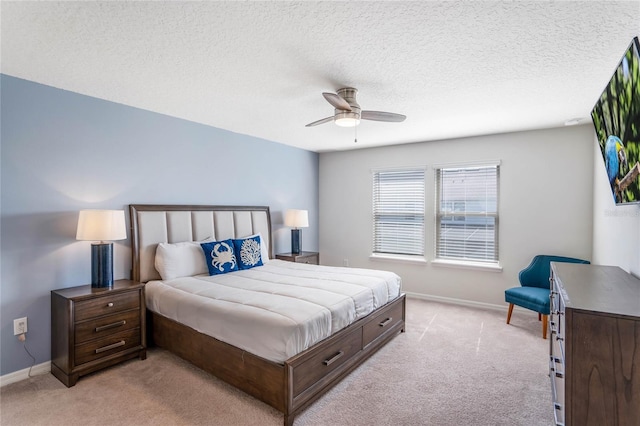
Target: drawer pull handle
[
  {"x": 385, "y": 322},
  {"x": 333, "y": 359},
  {"x": 108, "y": 347},
  {"x": 108, "y": 326},
  {"x": 110, "y": 305}
]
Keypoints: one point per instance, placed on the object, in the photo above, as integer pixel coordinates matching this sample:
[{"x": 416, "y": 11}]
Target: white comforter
[{"x": 274, "y": 311}]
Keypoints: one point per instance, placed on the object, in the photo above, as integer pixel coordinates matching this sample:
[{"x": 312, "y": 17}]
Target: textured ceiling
[{"x": 454, "y": 69}]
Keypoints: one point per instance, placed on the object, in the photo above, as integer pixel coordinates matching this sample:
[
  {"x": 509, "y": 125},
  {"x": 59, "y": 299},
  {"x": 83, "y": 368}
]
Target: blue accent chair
[{"x": 534, "y": 289}]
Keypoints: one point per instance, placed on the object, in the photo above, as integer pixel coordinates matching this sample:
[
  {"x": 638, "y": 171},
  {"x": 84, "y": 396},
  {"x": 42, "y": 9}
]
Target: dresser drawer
[
  {"x": 112, "y": 344},
  {"x": 557, "y": 392},
  {"x": 380, "y": 323},
  {"x": 106, "y": 325},
  {"x": 326, "y": 360},
  {"x": 108, "y": 304}
]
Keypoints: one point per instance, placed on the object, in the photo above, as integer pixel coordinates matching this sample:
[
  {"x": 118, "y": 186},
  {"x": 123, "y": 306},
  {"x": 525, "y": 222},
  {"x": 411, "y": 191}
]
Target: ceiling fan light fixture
[
  {"x": 347, "y": 112},
  {"x": 347, "y": 119}
]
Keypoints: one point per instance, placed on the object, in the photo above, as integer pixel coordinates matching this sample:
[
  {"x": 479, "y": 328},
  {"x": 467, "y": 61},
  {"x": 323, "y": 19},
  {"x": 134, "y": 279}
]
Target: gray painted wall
[
  {"x": 546, "y": 180},
  {"x": 63, "y": 152}
]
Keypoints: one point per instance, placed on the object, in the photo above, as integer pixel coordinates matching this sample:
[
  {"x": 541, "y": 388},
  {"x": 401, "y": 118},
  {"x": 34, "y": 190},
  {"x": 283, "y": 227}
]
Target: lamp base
[
  {"x": 296, "y": 241},
  {"x": 101, "y": 265}
]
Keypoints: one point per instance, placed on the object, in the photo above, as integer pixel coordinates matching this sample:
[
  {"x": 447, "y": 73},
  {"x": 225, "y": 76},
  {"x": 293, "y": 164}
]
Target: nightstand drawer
[
  {"x": 108, "y": 325},
  {"x": 115, "y": 343},
  {"x": 108, "y": 304},
  {"x": 312, "y": 260}
]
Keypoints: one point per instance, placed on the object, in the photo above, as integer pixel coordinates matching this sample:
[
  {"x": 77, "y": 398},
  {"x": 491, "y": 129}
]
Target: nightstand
[
  {"x": 93, "y": 328},
  {"x": 311, "y": 257}
]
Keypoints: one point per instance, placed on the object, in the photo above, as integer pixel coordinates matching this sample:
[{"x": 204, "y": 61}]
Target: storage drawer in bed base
[
  {"x": 367, "y": 332},
  {"x": 381, "y": 323}
]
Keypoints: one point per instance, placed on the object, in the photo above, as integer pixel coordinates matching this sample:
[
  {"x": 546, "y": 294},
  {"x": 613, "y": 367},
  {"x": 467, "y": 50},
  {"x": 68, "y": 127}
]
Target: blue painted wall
[{"x": 62, "y": 152}]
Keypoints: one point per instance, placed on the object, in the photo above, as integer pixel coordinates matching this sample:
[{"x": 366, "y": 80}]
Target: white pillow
[
  {"x": 174, "y": 260},
  {"x": 264, "y": 250}
]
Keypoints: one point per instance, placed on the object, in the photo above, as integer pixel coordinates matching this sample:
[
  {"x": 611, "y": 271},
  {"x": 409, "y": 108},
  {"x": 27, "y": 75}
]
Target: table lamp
[
  {"x": 102, "y": 226},
  {"x": 296, "y": 219}
]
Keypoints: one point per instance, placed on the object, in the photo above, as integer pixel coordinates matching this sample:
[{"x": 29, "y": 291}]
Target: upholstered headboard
[{"x": 153, "y": 224}]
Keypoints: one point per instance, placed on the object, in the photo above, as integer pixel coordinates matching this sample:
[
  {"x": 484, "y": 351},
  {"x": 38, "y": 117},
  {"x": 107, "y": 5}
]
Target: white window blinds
[
  {"x": 398, "y": 211},
  {"x": 467, "y": 213}
]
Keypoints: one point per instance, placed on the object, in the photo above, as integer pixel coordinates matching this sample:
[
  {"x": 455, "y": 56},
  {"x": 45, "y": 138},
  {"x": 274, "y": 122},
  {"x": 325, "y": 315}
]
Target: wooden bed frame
[{"x": 288, "y": 387}]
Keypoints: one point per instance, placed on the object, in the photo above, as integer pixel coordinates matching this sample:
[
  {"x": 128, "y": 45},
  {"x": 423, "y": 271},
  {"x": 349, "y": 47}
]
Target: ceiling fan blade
[
  {"x": 324, "y": 120},
  {"x": 382, "y": 116},
  {"x": 337, "y": 101}
]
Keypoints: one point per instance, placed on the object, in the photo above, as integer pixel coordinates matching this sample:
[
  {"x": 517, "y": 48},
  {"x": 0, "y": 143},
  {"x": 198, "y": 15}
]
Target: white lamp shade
[
  {"x": 101, "y": 225},
  {"x": 296, "y": 218}
]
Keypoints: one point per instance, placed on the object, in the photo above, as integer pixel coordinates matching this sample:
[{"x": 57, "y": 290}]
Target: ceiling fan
[{"x": 348, "y": 113}]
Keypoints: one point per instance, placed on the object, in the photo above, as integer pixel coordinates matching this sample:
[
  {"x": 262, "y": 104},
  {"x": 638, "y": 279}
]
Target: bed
[{"x": 287, "y": 377}]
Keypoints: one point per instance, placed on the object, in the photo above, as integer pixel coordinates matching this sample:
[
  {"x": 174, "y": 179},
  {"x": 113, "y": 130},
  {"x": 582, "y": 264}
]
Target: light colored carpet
[{"x": 454, "y": 366}]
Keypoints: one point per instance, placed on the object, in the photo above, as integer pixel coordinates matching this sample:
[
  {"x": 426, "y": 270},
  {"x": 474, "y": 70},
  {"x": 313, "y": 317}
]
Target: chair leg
[
  {"x": 539, "y": 316},
  {"x": 510, "y": 312},
  {"x": 545, "y": 320}
]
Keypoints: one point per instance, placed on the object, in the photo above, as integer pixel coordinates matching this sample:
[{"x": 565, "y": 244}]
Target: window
[
  {"x": 398, "y": 212},
  {"x": 467, "y": 213}
]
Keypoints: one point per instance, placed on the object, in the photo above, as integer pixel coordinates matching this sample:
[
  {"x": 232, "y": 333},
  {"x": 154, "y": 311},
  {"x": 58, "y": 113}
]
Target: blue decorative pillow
[
  {"x": 248, "y": 252},
  {"x": 220, "y": 257}
]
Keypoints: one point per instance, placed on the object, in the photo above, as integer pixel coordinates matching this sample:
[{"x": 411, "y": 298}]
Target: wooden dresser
[
  {"x": 94, "y": 328},
  {"x": 594, "y": 361}
]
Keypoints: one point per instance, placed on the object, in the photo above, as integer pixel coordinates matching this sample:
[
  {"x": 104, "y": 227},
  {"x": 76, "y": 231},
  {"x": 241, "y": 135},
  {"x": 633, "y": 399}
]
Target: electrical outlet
[
  {"x": 345, "y": 262},
  {"x": 19, "y": 326}
]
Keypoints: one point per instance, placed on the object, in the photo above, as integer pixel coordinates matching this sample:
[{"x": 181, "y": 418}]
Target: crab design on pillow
[{"x": 220, "y": 257}]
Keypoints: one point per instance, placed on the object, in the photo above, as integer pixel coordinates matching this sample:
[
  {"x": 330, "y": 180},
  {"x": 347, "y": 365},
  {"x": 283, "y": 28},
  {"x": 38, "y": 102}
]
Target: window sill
[
  {"x": 479, "y": 266},
  {"x": 399, "y": 258}
]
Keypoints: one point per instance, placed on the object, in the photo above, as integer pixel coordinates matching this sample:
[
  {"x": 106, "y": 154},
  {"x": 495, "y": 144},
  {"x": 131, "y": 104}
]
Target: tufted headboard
[{"x": 152, "y": 224}]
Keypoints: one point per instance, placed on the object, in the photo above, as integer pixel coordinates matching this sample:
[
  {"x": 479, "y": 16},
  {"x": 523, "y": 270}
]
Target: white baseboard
[
  {"x": 464, "y": 302},
  {"x": 18, "y": 376},
  {"x": 454, "y": 301}
]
